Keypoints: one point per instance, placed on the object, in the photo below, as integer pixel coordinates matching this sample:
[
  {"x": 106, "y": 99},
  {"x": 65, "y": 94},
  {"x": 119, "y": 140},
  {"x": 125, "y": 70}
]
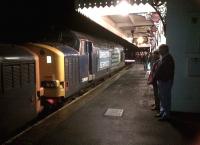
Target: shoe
[
  {"x": 153, "y": 108},
  {"x": 163, "y": 119},
  {"x": 158, "y": 115}
]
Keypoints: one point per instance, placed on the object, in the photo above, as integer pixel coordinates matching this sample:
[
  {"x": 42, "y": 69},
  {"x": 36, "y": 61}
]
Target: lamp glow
[
  {"x": 123, "y": 8},
  {"x": 140, "y": 40}
]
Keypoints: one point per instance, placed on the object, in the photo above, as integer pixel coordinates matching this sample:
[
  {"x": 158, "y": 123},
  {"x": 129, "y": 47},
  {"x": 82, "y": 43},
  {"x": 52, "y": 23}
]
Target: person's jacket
[
  {"x": 165, "y": 70},
  {"x": 151, "y": 79}
]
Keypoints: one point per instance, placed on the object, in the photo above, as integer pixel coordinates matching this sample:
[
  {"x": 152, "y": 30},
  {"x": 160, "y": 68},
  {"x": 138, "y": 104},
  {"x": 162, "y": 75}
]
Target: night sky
[{"x": 23, "y": 19}]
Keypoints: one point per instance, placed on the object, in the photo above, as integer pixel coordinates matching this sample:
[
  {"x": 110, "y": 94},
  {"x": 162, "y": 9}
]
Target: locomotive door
[
  {"x": 89, "y": 46},
  {"x": 72, "y": 74}
]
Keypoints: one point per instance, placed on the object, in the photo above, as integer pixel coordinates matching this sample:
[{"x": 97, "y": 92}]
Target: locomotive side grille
[
  {"x": 74, "y": 71},
  {"x": 17, "y": 75},
  {"x": 1, "y": 79},
  {"x": 31, "y": 73},
  {"x": 73, "y": 78},
  {"x": 28, "y": 71},
  {"x": 72, "y": 74},
  {"x": 25, "y": 72},
  {"x": 7, "y": 77},
  {"x": 66, "y": 72},
  {"x": 77, "y": 71}
]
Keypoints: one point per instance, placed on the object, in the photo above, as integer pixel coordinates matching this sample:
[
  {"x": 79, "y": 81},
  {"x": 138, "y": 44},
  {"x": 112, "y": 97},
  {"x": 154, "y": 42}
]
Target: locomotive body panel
[
  {"x": 18, "y": 88},
  {"x": 51, "y": 64}
]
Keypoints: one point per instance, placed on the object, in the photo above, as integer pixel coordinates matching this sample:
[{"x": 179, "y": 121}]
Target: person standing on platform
[
  {"x": 165, "y": 77},
  {"x": 151, "y": 80}
]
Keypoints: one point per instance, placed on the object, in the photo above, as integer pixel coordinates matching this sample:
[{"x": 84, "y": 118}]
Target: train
[
  {"x": 35, "y": 75},
  {"x": 130, "y": 55}
]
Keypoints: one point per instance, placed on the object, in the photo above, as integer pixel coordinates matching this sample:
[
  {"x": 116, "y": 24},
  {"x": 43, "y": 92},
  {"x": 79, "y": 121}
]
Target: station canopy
[
  {"x": 103, "y": 3},
  {"x": 136, "y": 21}
]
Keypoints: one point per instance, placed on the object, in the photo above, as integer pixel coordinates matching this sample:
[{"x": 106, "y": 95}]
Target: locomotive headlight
[{"x": 57, "y": 83}]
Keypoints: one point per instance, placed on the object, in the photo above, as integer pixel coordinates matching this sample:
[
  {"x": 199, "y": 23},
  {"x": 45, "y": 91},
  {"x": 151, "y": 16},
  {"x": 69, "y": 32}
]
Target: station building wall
[{"x": 183, "y": 37}]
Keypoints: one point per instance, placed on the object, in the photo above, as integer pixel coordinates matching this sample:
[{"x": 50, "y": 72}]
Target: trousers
[
  {"x": 164, "y": 92},
  {"x": 156, "y": 97}
]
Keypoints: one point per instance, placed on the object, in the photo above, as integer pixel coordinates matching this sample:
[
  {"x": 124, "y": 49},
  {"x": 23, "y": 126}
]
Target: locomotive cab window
[
  {"x": 89, "y": 47},
  {"x": 83, "y": 47},
  {"x": 86, "y": 47}
]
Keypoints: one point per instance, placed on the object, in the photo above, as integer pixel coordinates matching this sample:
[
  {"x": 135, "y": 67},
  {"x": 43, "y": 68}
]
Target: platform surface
[{"x": 90, "y": 126}]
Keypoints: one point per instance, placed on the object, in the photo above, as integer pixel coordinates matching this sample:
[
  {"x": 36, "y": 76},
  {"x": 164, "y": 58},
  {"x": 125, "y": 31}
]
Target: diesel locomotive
[
  {"x": 18, "y": 100},
  {"x": 70, "y": 61},
  {"x": 43, "y": 73}
]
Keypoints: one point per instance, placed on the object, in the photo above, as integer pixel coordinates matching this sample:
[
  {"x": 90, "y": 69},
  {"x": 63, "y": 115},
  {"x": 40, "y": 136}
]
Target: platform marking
[{"x": 114, "y": 112}]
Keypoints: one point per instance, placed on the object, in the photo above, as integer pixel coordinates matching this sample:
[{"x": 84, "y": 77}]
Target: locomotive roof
[
  {"x": 96, "y": 41},
  {"x": 66, "y": 49},
  {"x": 10, "y": 52}
]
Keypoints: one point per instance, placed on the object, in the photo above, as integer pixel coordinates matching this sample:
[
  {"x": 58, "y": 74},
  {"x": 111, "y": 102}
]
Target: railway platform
[{"x": 118, "y": 114}]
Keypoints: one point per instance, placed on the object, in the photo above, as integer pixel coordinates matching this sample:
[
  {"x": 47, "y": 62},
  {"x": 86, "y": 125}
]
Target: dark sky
[
  {"x": 33, "y": 16},
  {"x": 30, "y": 20}
]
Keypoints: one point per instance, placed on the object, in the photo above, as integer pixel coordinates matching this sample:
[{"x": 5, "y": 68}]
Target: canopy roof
[{"x": 103, "y": 3}]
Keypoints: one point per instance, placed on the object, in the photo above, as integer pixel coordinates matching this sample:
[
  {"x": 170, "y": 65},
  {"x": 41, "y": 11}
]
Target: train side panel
[
  {"x": 103, "y": 63},
  {"x": 84, "y": 69},
  {"x": 100, "y": 53},
  {"x": 117, "y": 58},
  {"x": 71, "y": 69}
]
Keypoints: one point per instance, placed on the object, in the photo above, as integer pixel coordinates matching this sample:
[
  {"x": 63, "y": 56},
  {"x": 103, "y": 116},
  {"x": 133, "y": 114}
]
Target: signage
[{"x": 104, "y": 59}]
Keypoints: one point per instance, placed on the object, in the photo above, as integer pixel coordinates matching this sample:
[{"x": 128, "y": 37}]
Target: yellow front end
[{"x": 51, "y": 69}]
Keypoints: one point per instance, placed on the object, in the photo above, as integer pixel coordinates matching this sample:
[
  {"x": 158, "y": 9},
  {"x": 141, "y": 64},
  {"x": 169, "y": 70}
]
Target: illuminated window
[{"x": 49, "y": 60}]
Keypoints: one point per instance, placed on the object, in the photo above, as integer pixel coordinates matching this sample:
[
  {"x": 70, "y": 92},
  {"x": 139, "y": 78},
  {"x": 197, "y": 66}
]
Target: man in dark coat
[{"x": 165, "y": 77}]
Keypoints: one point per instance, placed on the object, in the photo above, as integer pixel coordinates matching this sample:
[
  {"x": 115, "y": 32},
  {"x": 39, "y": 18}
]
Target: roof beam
[
  {"x": 132, "y": 19},
  {"x": 143, "y": 25},
  {"x": 124, "y": 25},
  {"x": 119, "y": 25}
]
